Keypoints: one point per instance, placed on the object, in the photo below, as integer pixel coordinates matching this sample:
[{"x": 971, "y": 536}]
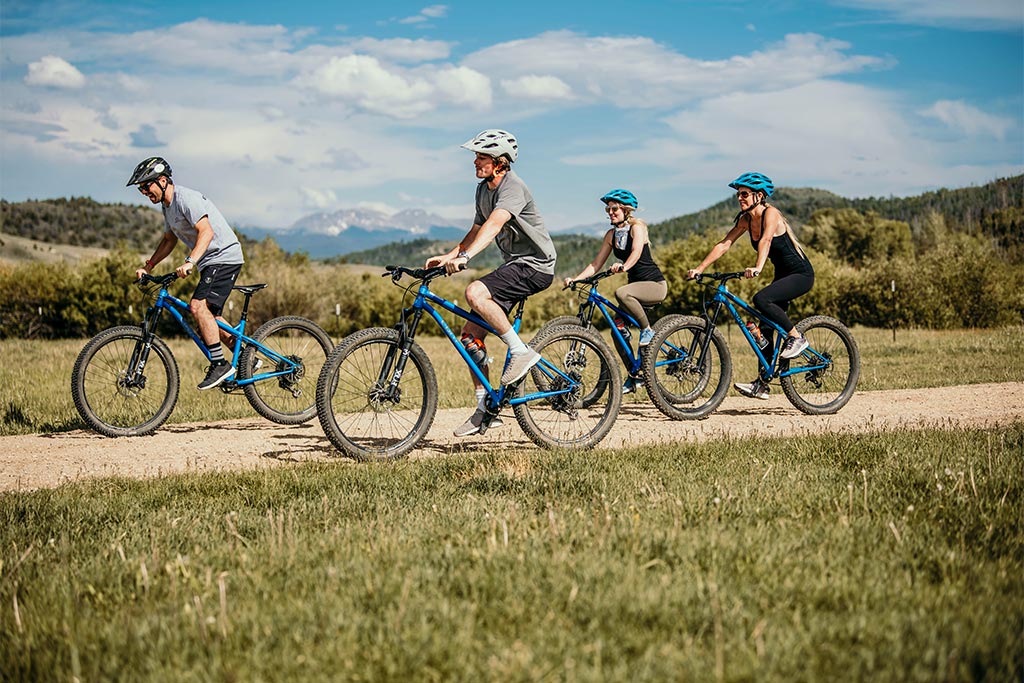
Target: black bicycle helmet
[{"x": 149, "y": 169}]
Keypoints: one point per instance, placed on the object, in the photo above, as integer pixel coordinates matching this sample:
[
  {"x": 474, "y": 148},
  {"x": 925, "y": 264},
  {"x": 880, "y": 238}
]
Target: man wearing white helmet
[{"x": 505, "y": 213}]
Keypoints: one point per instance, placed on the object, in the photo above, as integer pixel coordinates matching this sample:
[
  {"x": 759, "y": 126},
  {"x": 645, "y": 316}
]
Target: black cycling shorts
[
  {"x": 215, "y": 283},
  {"x": 514, "y": 282}
]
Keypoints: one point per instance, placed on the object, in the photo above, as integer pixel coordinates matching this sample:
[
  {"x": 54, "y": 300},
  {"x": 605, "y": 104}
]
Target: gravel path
[{"x": 47, "y": 460}]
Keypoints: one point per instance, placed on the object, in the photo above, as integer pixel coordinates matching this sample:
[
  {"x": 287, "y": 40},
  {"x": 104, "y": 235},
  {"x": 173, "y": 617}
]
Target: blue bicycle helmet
[
  {"x": 624, "y": 197},
  {"x": 755, "y": 181}
]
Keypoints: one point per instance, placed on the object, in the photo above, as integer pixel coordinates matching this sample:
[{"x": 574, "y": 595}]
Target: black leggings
[{"x": 773, "y": 300}]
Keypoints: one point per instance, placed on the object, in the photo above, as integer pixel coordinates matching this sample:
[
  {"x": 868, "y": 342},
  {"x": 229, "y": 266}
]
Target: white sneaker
[
  {"x": 794, "y": 346},
  {"x": 518, "y": 365},
  {"x": 756, "y": 389},
  {"x": 472, "y": 425}
]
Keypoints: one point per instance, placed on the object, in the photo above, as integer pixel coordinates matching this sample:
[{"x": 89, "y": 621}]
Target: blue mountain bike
[
  {"x": 125, "y": 381},
  {"x": 693, "y": 365},
  {"x": 594, "y": 304},
  {"x": 377, "y": 394}
]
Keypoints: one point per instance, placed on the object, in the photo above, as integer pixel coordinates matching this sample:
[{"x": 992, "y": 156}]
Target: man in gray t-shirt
[
  {"x": 506, "y": 214},
  {"x": 213, "y": 248}
]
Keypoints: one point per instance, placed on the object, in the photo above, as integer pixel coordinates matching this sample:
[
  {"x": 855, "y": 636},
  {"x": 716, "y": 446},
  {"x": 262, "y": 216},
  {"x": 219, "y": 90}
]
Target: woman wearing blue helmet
[
  {"x": 794, "y": 275},
  {"x": 628, "y": 240}
]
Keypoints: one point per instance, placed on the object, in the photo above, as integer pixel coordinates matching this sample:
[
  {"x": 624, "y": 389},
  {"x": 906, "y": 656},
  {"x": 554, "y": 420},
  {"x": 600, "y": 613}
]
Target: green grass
[
  {"x": 35, "y": 393},
  {"x": 888, "y": 557}
]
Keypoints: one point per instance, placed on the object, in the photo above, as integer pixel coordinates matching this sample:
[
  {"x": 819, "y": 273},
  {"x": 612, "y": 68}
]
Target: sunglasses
[
  {"x": 744, "y": 194},
  {"x": 612, "y": 209},
  {"x": 144, "y": 187}
]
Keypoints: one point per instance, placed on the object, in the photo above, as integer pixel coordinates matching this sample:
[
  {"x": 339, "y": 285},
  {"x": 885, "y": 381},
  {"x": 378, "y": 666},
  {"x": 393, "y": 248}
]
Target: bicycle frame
[
  {"x": 407, "y": 331},
  {"x": 597, "y": 301},
  {"x": 165, "y": 301},
  {"x": 769, "y": 368}
]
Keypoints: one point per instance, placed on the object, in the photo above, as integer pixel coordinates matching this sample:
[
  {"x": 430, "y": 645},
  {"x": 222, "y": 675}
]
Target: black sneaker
[{"x": 217, "y": 373}]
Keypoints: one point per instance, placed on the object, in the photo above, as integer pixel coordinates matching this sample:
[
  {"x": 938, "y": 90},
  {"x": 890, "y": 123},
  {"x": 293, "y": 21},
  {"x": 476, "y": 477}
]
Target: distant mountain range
[{"x": 323, "y": 235}]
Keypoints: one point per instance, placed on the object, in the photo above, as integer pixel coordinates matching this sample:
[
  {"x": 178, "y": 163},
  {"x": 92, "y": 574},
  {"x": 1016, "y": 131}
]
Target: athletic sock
[
  {"x": 216, "y": 353},
  {"x": 515, "y": 344},
  {"x": 481, "y": 398}
]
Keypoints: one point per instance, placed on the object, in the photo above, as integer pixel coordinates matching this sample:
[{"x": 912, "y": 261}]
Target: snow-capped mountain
[{"x": 341, "y": 232}]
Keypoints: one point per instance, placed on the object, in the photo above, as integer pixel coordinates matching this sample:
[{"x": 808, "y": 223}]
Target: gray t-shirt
[
  {"x": 524, "y": 238},
  {"x": 187, "y": 208}
]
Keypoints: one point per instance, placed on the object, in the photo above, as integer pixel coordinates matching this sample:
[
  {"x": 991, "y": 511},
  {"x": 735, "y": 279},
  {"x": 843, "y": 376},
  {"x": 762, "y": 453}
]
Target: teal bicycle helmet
[
  {"x": 624, "y": 197},
  {"x": 755, "y": 181}
]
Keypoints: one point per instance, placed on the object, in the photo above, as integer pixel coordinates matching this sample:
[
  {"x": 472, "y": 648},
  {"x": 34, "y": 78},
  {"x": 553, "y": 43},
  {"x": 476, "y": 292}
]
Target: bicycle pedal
[{"x": 229, "y": 386}]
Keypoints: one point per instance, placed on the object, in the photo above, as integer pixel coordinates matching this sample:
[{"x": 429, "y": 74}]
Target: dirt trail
[{"x": 48, "y": 460}]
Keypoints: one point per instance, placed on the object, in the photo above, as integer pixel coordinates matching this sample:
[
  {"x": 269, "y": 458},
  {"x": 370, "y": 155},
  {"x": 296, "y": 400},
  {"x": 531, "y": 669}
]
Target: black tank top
[
  {"x": 783, "y": 254},
  {"x": 645, "y": 269}
]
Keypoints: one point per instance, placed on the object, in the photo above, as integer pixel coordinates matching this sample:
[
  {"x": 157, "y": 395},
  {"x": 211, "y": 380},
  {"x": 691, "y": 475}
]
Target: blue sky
[{"x": 278, "y": 110}]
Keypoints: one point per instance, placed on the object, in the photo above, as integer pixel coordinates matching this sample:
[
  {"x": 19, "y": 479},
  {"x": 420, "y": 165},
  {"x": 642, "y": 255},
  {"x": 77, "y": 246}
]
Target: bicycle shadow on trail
[{"x": 248, "y": 427}]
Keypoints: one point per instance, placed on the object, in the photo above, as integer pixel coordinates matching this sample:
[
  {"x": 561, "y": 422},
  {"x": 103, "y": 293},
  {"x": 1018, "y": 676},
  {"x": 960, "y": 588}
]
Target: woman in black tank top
[
  {"x": 773, "y": 240},
  {"x": 627, "y": 240}
]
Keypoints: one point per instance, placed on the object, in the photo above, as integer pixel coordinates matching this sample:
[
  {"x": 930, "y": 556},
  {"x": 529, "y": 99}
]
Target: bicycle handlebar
[
  {"x": 425, "y": 274},
  {"x": 592, "y": 280},
  {"x": 162, "y": 280},
  {"x": 721, "y": 277}
]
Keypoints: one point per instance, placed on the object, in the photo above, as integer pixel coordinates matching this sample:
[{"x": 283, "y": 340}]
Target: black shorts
[
  {"x": 514, "y": 282},
  {"x": 215, "y": 283}
]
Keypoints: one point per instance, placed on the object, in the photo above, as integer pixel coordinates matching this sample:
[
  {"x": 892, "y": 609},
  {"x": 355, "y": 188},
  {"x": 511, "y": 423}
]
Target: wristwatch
[
  {"x": 463, "y": 254},
  {"x": 188, "y": 259}
]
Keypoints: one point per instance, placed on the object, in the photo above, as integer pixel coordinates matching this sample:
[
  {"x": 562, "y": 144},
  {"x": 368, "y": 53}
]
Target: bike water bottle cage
[{"x": 475, "y": 348}]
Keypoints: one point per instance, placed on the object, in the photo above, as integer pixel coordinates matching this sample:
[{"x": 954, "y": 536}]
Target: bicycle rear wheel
[
  {"x": 360, "y": 415},
  {"x": 826, "y": 374},
  {"x": 578, "y": 362},
  {"x": 687, "y": 371},
  {"x": 291, "y": 398},
  {"x": 108, "y": 399}
]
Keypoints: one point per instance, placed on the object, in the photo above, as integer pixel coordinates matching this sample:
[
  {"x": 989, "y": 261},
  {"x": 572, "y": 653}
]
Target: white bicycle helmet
[{"x": 494, "y": 142}]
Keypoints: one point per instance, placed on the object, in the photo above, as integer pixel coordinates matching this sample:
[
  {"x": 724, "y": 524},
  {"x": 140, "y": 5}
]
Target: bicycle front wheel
[
  {"x": 687, "y": 370},
  {"x": 578, "y": 365},
  {"x": 111, "y": 396},
  {"x": 287, "y": 399},
  {"x": 824, "y": 376},
  {"x": 538, "y": 377},
  {"x": 361, "y": 414}
]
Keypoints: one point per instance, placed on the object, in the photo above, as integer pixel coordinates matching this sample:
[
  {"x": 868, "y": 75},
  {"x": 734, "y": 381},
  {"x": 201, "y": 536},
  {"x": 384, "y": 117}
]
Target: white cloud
[
  {"x": 964, "y": 118},
  {"x": 317, "y": 198},
  {"x": 1005, "y": 15},
  {"x": 638, "y": 72},
  {"x": 464, "y": 86},
  {"x": 435, "y": 11},
  {"x": 363, "y": 81},
  {"x": 538, "y": 88},
  {"x": 847, "y": 137},
  {"x": 369, "y": 84},
  {"x": 402, "y": 49},
  {"x": 427, "y": 13},
  {"x": 53, "y": 72}
]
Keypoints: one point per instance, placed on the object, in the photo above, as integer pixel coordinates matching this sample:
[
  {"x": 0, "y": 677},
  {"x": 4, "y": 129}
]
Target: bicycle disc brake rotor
[
  {"x": 129, "y": 388},
  {"x": 293, "y": 375}
]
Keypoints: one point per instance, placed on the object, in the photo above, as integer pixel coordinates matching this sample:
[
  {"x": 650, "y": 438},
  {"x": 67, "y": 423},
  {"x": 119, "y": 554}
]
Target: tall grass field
[
  {"x": 895, "y": 556},
  {"x": 891, "y": 557}
]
